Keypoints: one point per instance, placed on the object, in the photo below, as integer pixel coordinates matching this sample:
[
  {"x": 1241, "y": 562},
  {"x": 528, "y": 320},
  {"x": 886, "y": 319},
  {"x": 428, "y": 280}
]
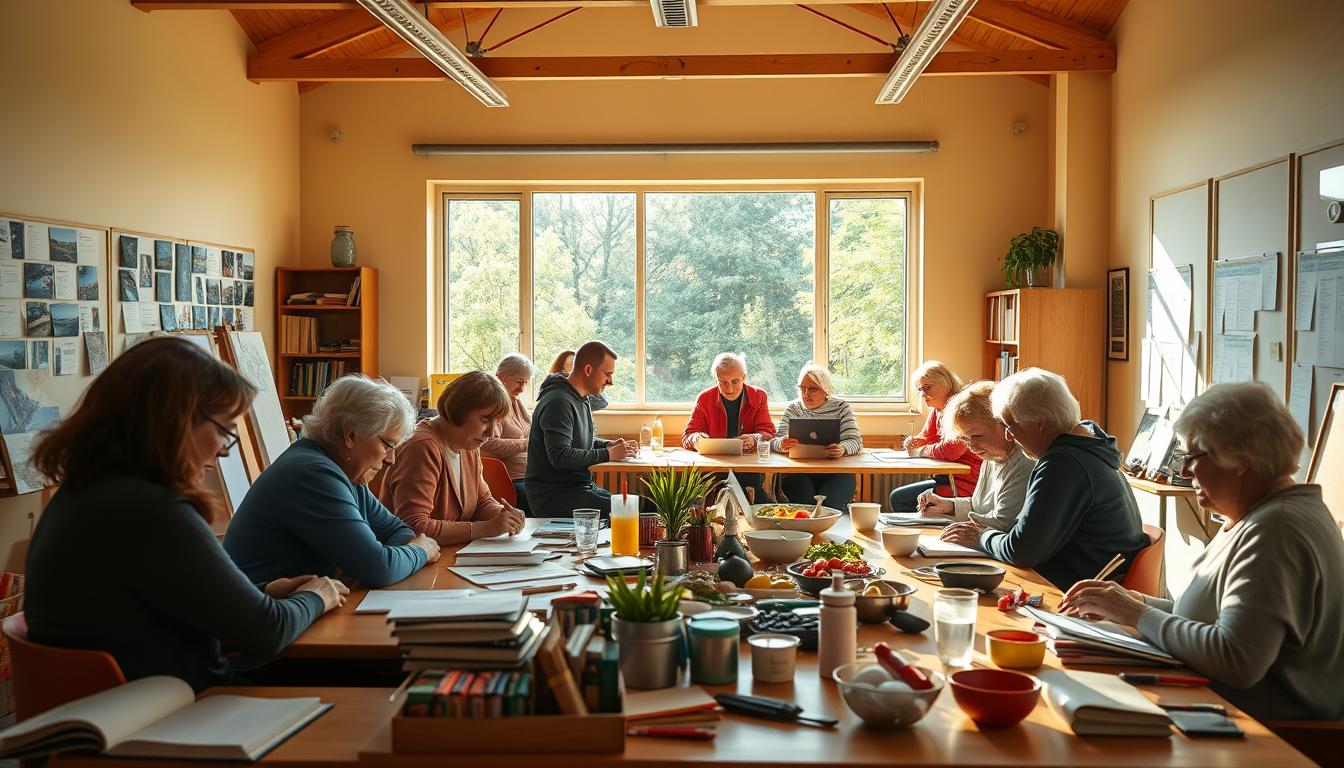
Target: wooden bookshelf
[
  {"x": 1058, "y": 329},
  {"x": 356, "y": 323}
]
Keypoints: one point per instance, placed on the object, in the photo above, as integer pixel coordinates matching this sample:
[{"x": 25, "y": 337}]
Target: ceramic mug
[{"x": 864, "y": 515}]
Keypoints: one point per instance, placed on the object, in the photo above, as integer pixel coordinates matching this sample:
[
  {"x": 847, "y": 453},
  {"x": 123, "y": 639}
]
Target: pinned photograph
[
  {"x": 226, "y": 293},
  {"x": 63, "y": 244},
  {"x": 198, "y": 318},
  {"x": 90, "y": 319},
  {"x": 128, "y": 247},
  {"x": 86, "y": 283},
  {"x": 198, "y": 259},
  {"x": 226, "y": 263},
  {"x": 228, "y": 315},
  {"x": 146, "y": 271},
  {"x": 39, "y": 354},
  {"x": 247, "y": 297},
  {"x": 211, "y": 291},
  {"x": 200, "y": 290},
  {"x": 95, "y": 346},
  {"x": 65, "y": 357},
  {"x": 14, "y": 355},
  {"x": 126, "y": 279},
  {"x": 246, "y": 271},
  {"x": 39, "y": 318},
  {"x": 16, "y": 239},
  {"x": 184, "y": 317},
  {"x": 64, "y": 319},
  {"x": 163, "y": 286},
  {"x": 167, "y": 317},
  {"x": 214, "y": 317},
  {"x": 182, "y": 280},
  {"x": 39, "y": 281},
  {"x": 163, "y": 254}
]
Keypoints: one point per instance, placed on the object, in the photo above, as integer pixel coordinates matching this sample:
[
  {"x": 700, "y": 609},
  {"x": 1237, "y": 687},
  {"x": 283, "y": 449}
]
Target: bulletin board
[
  {"x": 166, "y": 283},
  {"x": 1251, "y": 298},
  {"x": 53, "y": 313},
  {"x": 1174, "y": 354}
]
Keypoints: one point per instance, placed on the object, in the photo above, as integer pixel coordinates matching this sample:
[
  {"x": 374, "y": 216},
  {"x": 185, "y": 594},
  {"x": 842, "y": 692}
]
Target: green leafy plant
[
  {"x": 675, "y": 494},
  {"x": 656, "y": 603},
  {"x": 1027, "y": 252}
]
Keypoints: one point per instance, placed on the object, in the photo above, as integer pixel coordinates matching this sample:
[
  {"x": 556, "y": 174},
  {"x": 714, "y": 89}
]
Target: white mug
[{"x": 864, "y": 515}]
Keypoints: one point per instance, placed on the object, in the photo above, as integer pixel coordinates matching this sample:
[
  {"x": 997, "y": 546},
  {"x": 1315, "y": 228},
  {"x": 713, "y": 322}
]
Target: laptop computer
[
  {"x": 718, "y": 446},
  {"x": 813, "y": 435}
]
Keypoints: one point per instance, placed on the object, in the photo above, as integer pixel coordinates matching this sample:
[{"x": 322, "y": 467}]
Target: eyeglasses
[
  {"x": 807, "y": 390},
  {"x": 1189, "y": 457},
  {"x": 230, "y": 438},
  {"x": 922, "y": 388},
  {"x": 388, "y": 446}
]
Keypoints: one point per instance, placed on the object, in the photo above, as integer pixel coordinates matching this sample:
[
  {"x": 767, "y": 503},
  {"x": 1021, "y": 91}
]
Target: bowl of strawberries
[{"x": 815, "y": 575}]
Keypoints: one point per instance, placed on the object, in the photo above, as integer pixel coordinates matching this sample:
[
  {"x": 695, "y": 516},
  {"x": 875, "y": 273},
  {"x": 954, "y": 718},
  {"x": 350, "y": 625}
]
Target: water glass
[
  {"x": 763, "y": 448},
  {"x": 587, "y": 522},
  {"x": 645, "y": 437},
  {"x": 954, "y": 625}
]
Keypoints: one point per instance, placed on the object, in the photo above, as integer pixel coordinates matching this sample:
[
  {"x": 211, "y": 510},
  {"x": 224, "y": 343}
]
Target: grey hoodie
[
  {"x": 1079, "y": 513},
  {"x": 562, "y": 444}
]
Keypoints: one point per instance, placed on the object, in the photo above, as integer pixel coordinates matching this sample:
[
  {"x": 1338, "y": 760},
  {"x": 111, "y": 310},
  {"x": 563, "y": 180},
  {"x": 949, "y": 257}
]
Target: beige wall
[
  {"x": 144, "y": 121},
  {"x": 1205, "y": 87},
  {"x": 983, "y": 186}
]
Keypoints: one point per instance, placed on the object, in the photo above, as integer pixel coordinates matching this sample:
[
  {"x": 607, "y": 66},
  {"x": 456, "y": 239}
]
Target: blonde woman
[{"x": 936, "y": 384}]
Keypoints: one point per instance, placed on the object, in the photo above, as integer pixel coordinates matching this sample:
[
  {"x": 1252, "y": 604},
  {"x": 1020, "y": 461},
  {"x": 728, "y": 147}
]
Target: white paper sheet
[
  {"x": 65, "y": 282},
  {"x": 383, "y": 600},
  {"x": 1306, "y": 301},
  {"x": 487, "y": 575},
  {"x": 1269, "y": 282},
  {"x": 12, "y": 320},
  {"x": 5, "y": 252},
  {"x": 1169, "y": 297},
  {"x": 65, "y": 357},
  {"x": 90, "y": 318},
  {"x": 130, "y": 316},
  {"x": 1299, "y": 396},
  {"x": 212, "y": 261},
  {"x": 500, "y": 545},
  {"x": 1234, "y": 357},
  {"x": 36, "y": 247},
  {"x": 1241, "y": 286},
  {"x": 11, "y": 278},
  {"x": 149, "y": 317},
  {"x": 90, "y": 246}
]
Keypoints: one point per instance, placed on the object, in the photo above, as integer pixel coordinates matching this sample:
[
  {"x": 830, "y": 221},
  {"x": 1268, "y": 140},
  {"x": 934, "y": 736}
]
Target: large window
[{"x": 671, "y": 278}]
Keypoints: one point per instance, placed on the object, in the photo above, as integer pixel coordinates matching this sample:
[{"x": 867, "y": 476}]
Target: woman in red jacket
[
  {"x": 936, "y": 384},
  {"x": 733, "y": 408}
]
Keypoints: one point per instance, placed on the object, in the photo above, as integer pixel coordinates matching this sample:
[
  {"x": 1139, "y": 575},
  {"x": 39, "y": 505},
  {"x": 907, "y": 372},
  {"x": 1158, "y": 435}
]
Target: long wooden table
[
  {"x": 879, "y": 461},
  {"x": 358, "y": 730}
]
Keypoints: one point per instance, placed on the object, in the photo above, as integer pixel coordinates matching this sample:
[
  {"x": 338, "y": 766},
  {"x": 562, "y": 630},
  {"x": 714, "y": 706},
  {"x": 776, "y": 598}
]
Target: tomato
[
  {"x": 836, "y": 562},
  {"x": 821, "y": 563},
  {"x": 811, "y": 573},
  {"x": 1007, "y": 602},
  {"x": 802, "y": 515},
  {"x": 861, "y": 568}
]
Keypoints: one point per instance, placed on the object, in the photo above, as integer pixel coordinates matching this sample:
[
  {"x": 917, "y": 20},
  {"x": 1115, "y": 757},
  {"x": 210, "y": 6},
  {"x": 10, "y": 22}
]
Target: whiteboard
[
  {"x": 267, "y": 420},
  {"x": 1179, "y": 247}
]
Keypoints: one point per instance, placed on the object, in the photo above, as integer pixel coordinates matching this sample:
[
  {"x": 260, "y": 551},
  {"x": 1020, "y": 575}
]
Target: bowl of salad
[
  {"x": 821, "y": 561},
  {"x": 792, "y": 517}
]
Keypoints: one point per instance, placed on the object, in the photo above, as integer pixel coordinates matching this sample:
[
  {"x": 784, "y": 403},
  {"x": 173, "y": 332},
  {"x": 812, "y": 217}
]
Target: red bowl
[{"x": 995, "y": 698}]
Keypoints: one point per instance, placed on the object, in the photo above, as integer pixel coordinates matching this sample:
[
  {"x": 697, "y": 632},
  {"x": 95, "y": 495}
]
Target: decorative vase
[
  {"x": 651, "y": 652},
  {"x": 670, "y": 556},
  {"x": 700, "y": 540},
  {"x": 650, "y": 530},
  {"x": 343, "y": 247}
]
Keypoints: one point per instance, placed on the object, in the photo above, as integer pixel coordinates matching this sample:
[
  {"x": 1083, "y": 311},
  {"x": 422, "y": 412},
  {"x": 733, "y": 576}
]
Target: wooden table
[
  {"x": 944, "y": 737},
  {"x": 865, "y": 462}
]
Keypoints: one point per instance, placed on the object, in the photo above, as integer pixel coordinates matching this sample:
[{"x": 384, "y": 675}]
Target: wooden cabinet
[
  {"x": 316, "y": 343},
  {"x": 1058, "y": 329}
]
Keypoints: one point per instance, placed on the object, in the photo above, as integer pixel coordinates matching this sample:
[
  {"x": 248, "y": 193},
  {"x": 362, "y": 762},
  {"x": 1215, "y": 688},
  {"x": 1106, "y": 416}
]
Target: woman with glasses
[
  {"x": 508, "y": 437},
  {"x": 123, "y": 559},
  {"x": 1263, "y": 611},
  {"x": 1079, "y": 511},
  {"x": 312, "y": 511},
  {"x": 816, "y": 402},
  {"x": 936, "y": 385},
  {"x": 436, "y": 485}
]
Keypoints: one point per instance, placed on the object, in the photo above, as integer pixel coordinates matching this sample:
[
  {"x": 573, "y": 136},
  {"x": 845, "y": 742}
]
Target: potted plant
[
  {"x": 700, "y": 534},
  {"x": 647, "y": 626},
  {"x": 674, "y": 494},
  {"x": 1028, "y": 252}
]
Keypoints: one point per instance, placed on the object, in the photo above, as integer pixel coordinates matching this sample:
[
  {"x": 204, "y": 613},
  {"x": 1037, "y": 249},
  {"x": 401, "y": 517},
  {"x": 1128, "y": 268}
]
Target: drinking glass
[
  {"x": 586, "y": 525},
  {"x": 763, "y": 448},
  {"x": 645, "y": 437},
  {"x": 954, "y": 625}
]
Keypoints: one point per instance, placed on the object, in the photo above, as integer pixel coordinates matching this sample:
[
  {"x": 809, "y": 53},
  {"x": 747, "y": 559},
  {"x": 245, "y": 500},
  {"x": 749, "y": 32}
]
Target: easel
[{"x": 1329, "y": 452}]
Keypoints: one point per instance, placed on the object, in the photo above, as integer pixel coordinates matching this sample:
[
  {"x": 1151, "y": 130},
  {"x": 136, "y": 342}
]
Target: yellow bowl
[{"x": 1016, "y": 648}]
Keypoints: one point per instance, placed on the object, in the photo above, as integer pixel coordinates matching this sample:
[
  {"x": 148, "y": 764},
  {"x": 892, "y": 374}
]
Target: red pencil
[{"x": 1135, "y": 678}]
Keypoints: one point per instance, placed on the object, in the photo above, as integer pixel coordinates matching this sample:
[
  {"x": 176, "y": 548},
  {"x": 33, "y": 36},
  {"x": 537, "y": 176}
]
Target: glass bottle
[{"x": 656, "y": 440}]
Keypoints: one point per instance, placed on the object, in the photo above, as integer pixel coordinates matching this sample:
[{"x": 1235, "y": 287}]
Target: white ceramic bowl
[
  {"x": 886, "y": 709},
  {"x": 827, "y": 517},
  {"x": 900, "y": 542},
  {"x": 778, "y": 546}
]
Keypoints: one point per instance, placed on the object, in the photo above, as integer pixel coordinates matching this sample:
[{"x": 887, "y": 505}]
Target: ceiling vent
[
  {"x": 673, "y": 13},
  {"x": 938, "y": 26}
]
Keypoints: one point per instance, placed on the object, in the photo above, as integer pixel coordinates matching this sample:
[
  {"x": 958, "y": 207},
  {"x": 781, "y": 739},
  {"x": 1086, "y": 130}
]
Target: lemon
[{"x": 759, "y": 581}]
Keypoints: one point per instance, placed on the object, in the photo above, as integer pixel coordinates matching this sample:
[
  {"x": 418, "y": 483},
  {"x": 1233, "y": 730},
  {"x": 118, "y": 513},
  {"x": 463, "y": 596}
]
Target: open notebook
[
  {"x": 160, "y": 717},
  {"x": 1096, "y": 704}
]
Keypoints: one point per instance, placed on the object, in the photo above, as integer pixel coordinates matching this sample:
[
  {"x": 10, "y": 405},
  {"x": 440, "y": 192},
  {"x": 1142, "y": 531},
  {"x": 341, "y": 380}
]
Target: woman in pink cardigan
[
  {"x": 436, "y": 484},
  {"x": 508, "y": 438},
  {"x": 936, "y": 384}
]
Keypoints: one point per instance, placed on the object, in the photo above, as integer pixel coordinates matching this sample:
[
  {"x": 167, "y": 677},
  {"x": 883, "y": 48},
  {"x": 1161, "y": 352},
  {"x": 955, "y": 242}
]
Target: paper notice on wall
[
  {"x": 1219, "y": 306},
  {"x": 65, "y": 281},
  {"x": 1269, "y": 282},
  {"x": 1241, "y": 284},
  {"x": 213, "y": 258},
  {"x": 1299, "y": 396},
  {"x": 11, "y": 279},
  {"x": 1233, "y": 357},
  {"x": 90, "y": 246},
  {"x": 65, "y": 357},
  {"x": 11, "y": 321},
  {"x": 130, "y": 317},
  {"x": 149, "y": 317},
  {"x": 1306, "y": 301},
  {"x": 36, "y": 245}
]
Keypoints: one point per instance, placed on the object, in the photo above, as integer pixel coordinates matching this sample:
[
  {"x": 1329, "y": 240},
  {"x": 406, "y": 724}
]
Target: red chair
[
  {"x": 497, "y": 478},
  {"x": 46, "y": 677},
  {"x": 1145, "y": 573}
]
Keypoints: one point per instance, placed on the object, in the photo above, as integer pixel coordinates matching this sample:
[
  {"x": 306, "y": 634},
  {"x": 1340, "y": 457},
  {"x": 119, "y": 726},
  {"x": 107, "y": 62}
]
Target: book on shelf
[
  {"x": 305, "y": 297},
  {"x": 160, "y": 717},
  {"x": 299, "y": 334},
  {"x": 467, "y": 693},
  {"x": 352, "y": 298}
]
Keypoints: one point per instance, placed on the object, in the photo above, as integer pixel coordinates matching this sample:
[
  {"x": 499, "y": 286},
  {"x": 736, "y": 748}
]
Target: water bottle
[
  {"x": 656, "y": 442},
  {"x": 839, "y": 628}
]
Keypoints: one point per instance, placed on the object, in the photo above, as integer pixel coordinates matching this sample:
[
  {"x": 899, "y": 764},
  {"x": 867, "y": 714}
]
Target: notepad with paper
[
  {"x": 1096, "y": 704},
  {"x": 1102, "y": 636},
  {"x": 932, "y": 546},
  {"x": 159, "y": 716},
  {"x": 915, "y": 520}
]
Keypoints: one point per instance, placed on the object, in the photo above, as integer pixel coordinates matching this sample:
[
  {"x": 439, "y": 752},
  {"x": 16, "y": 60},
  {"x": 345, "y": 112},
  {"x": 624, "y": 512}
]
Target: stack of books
[
  {"x": 333, "y": 300},
  {"x": 306, "y": 297},
  {"x": 491, "y": 631},
  {"x": 299, "y": 335},
  {"x": 338, "y": 345},
  {"x": 1080, "y": 642},
  {"x": 501, "y": 551},
  {"x": 673, "y": 707}
]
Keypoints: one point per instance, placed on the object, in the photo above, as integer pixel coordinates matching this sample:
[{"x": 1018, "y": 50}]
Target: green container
[{"x": 714, "y": 644}]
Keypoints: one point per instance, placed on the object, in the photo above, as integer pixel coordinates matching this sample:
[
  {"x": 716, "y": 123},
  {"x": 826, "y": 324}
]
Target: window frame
[{"x": 910, "y": 190}]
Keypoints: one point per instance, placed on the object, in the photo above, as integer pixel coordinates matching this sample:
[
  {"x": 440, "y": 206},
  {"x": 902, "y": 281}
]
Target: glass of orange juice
[{"x": 624, "y": 524}]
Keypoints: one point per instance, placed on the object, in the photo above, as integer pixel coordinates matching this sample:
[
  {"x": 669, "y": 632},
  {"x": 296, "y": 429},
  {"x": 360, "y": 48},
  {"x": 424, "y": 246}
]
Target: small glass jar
[
  {"x": 343, "y": 247},
  {"x": 714, "y": 645}
]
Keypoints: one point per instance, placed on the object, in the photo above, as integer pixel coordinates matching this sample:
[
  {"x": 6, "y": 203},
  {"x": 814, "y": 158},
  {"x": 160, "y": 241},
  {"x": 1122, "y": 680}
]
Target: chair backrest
[
  {"x": 497, "y": 477},
  {"x": 46, "y": 677},
  {"x": 1145, "y": 573},
  {"x": 1319, "y": 740}
]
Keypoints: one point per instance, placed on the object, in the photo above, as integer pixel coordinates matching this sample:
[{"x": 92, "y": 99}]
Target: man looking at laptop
[{"x": 731, "y": 409}]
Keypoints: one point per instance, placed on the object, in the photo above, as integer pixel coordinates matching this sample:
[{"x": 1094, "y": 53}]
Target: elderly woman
[
  {"x": 564, "y": 363},
  {"x": 998, "y": 495},
  {"x": 436, "y": 485},
  {"x": 123, "y": 559},
  {"x": 816, "y": 402},
  {"x": 936, "y": 384},
  {"x": 508, "y": 437},
  {"x": 1079, "y": 511},
  {"x": 732, "y": 408},
  {"x": 312, "y": 511},
  {"x": 1262, "y": 614}
]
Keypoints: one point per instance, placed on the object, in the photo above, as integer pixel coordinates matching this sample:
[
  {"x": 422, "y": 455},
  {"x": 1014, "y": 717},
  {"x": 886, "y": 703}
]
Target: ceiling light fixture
[
  {"x": 673, "y": 13},
  {"x": 789, "y": 148},
  {"x": 400, "y": 17},
  {"x": 938, "y": 26}
]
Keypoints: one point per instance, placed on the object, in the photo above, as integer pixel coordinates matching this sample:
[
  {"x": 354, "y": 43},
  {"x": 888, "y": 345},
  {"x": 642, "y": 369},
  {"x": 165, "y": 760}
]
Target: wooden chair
[
  {"x": 1320, "y": 741},
  {"x": 497, "y": 477},
  {"x": 1145, "y": 573},
  {"x": 46, "y": 677}
]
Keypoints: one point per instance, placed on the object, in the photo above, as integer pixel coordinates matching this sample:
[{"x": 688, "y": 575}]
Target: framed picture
[{"x": 1117, "y": 314}]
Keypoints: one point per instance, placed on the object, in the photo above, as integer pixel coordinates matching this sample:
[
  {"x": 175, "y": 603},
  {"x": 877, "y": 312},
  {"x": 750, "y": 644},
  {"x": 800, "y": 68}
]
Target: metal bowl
[{"x": 874, "y": 609}]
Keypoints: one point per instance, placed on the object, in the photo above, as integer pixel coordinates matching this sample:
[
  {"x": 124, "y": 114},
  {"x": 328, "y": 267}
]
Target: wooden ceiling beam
[
  {"x": 1036, "y": 26},
  {"x": 347, "y": 5},
  {"x": 320, "y": 36},
  {"x": 264, "y": 69}
]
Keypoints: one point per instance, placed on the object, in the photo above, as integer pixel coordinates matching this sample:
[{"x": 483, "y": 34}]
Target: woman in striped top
[{"x": 816, "y": 402}]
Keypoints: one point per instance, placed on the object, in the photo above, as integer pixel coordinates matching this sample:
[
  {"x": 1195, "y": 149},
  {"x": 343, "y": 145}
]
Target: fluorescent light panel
[
  {"x": 673, "y": 13},
  {"x": 937, "y": 28},
  {"x": 400, "y": 17}
]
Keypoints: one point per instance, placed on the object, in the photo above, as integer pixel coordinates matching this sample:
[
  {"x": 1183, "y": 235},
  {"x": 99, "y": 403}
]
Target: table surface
[
  {"x": 873, "y": 461},
  {"x": 358, "y": 728},
  {"x": 1159, "y": 489}
]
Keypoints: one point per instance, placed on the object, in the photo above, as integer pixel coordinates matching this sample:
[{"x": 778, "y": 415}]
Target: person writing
[
  {"x": 936, "y": 384},
  {"x": 508, "y": 438}
]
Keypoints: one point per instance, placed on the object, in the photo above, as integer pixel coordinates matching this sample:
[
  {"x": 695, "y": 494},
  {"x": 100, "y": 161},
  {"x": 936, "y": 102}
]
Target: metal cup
[{"x": 671, "y": 557}]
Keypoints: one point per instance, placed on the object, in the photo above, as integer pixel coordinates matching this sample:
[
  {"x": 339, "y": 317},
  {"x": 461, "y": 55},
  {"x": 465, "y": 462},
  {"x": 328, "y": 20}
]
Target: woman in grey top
[
  {"x": 1002, "y": 486},
  {"x": 816, "y": 402},
  {"x": 1263, "y": 615}
]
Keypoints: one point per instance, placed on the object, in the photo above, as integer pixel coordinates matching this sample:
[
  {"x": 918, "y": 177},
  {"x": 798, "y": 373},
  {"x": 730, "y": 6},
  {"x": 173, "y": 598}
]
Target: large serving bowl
[
  {"x": 886, "y": 708},
  {"x": 813, "y": 585},
  {"x": 875, "y": 609},
  {"x": 778, "y": 546},
  {"x": 995, "y": 698},
  {"x": 825, "y": 518},
  {"x": 985, "y": 577}
]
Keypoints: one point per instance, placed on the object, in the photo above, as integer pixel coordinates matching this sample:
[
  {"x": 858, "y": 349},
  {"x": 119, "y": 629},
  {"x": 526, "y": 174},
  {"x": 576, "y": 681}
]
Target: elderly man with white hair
[
  {"x": 731, "y": 408},
  {"x": 508, "y": 437},
  {"x": 311, "y": 511},
  {"x": 1263, "y": 613},
  {"x": 815, "y": 401},
  {"x": 1079, "y": 511}
]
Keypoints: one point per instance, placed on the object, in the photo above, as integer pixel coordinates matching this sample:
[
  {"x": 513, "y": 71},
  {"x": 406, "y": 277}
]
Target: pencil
[
  {"x": 551, "y": 588},
  {"x": 1110, "y": 567}
]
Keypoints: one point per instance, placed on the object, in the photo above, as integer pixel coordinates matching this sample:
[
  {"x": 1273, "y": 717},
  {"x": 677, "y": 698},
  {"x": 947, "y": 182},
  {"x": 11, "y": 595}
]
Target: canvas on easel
[
  {"x": 1329, "y": 452},
  {"x": 246, "y": 351}
]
